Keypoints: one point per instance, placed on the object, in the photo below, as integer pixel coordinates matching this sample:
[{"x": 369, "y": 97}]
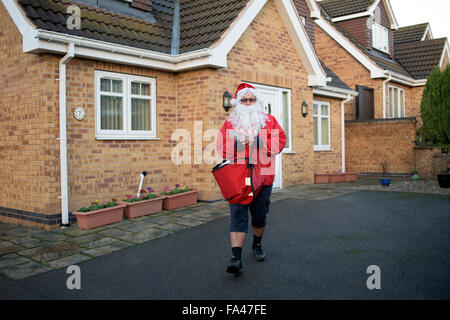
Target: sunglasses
[{"x": 248, "y": 100}]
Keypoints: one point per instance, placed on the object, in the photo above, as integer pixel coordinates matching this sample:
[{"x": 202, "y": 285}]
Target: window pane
[
  {"x": 396, "y": 103},
  {"x": 324, "y": 109},
  {"x": 111, "y": 113},
  {"x": 316, "y": 132},
  {"x": 140, "y": 114},
  {"x": 145, "y": 87},
  {"x": 105, "y": 85},
  {"x": 315, "y": 108},
  {"x": 117, "y": 86},
  {"x": 391, "y": 103},
  {"x": 324, "y": 131},
  {"x": 402, "y": 103},
  {"x": 135, "y": 88}
]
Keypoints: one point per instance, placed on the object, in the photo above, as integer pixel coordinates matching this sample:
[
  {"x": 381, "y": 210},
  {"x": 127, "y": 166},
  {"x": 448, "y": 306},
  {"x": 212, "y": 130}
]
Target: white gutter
[
  {"x": 389, "y": 78},
  {"x": 349, "y": 98},
  {"x": 63, "y": 134}
]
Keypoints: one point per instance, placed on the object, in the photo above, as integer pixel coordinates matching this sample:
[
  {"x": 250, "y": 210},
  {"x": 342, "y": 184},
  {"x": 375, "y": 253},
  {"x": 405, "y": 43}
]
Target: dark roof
[
  {"x": 410, "y": 33},
  {"x": 420, "y": 57},
  {"x": 202, "y": 22},
  {"x": 339, "y": 8},
  {"x": 335, "y": 80},
  {"x": 105, "y": 25}
]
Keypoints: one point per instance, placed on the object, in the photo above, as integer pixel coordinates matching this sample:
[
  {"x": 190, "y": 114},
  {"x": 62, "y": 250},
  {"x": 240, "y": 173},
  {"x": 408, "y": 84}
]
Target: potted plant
[
  {"x": 336, "y": 176},
  {"x": 146, "y": 203},
  {"x": 444, "y": 179},
  {"x": 97, "y": 214},
  {"x": 414, "y": 175},
  {"x": 385, "y": 181},
  {"x": 178, "y": 197}
]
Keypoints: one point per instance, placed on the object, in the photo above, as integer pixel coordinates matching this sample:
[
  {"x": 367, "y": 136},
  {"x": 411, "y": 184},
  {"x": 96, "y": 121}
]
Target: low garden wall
[
  {"x": 429, "y": 161},
  {"x": 369, "y": 143}
]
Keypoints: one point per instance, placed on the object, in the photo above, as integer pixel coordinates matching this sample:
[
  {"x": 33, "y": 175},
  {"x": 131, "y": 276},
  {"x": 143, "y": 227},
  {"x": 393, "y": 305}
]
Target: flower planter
[
  {"x": 321, "y": 178},
  {"x": 93, "y": 219},
  {"x": 336, "y": 177},
  {"x": 351, "y": 176},
  {"x": 444, "y": 180},
  {"x": 180, "y": 200},
  {"x": 142, "y": 208}
]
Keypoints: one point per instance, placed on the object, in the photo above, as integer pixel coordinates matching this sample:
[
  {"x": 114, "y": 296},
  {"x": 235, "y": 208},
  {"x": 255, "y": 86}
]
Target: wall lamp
[
  {"x": 304, "y": 109},
  {"x": 227, "y": 101}
]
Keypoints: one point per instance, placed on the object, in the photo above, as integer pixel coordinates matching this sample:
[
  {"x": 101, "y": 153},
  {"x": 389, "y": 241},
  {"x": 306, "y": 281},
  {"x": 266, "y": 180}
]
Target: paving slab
[
  {"x": 67, "y": 261},
  {"x": 138, "y": 226},
  {"x": 24, "y": 270},
  {"x": 173, "y": 227},
  {"x": 146, "y": 235},
  {"x": 100, "y": 251},
  {"x": 163, "y": 219},
  {"x": 8, "y": 247},
  {"x": 50, "y": 251},
  {"x": 98, "y": 243},
  {"x": 12, "y": 259},
  {"x": 190, "y": 222}
]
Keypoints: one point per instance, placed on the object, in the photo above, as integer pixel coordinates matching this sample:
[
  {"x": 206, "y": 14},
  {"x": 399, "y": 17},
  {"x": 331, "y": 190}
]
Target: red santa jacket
[{"x": 270, "y": 141}]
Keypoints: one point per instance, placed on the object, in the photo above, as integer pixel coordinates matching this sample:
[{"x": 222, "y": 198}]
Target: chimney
[{"x": 144, "y": 5}]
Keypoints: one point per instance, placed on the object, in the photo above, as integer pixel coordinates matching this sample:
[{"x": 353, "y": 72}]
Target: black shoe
[
  {"x": 234, "y": 266},
  {"x": 258, "y": 253}
]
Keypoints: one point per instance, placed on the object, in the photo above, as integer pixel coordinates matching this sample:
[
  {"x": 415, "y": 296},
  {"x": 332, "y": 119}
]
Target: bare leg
[
  {"x": 258, "y": 231},
  {"x": 237, "y": 239}
]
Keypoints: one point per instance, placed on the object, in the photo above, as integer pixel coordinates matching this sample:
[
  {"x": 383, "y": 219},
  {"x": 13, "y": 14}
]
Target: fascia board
[
  {"x": 375, "y": 71},
  {"x": 25, "y": 27},
  {"x": 313, "y": 8}
]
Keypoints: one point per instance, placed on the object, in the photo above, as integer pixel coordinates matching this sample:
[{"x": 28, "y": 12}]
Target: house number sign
[{"x": 79, "y": 113}]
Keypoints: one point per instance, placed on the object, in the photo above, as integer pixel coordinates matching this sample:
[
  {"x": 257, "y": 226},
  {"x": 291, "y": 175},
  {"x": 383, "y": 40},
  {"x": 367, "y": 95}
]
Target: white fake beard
[{"x": 247, "y": 120}]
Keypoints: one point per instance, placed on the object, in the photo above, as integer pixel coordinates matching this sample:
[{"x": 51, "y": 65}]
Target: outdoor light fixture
[
  {"x": 227, "y": 101},
  {"x": 304, "y": 109}
]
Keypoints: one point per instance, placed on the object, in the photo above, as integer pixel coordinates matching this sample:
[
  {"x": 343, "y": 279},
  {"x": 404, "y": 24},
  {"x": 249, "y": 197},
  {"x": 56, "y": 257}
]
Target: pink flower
[
  {"x": 166, "y": 188},
  {"x": 150, "y": 189},
  {"x": 128, "y": 196},
  {"x": 177, "y": 185}
]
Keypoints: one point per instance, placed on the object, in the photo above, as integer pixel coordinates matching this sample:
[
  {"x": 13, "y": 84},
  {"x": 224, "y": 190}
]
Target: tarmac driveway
[{"x": 315, "y": 250}]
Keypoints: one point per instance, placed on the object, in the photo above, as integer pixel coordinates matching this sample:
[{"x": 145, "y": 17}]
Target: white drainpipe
[
  {"x": 63, "y": 134},
  {"x": 349, "y": 98},
  {"x": 384, "y": 94}
]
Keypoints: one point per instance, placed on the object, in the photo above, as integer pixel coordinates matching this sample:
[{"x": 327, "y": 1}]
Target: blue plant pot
[{"x": 385, "y": 182}]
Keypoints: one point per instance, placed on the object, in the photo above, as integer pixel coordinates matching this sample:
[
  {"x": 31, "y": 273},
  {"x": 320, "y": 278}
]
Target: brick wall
[
  {"x": 29, "y": 151},
  {"x": 369, "y": 143}
]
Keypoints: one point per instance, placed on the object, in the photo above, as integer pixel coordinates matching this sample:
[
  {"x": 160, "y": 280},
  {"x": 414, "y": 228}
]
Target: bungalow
[
  {"x": 94, "y": 92},
  {"x": 360, "y": 40}
]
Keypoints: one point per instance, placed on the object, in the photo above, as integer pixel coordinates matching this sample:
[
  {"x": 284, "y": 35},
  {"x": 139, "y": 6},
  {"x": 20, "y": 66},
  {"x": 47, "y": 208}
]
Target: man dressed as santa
[{"x": 250, "y": 133}]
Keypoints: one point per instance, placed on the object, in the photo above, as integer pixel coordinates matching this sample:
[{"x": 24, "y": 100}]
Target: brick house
[
  {"x": 361, "y": 42},
  {"x": 87, "y": 108}
]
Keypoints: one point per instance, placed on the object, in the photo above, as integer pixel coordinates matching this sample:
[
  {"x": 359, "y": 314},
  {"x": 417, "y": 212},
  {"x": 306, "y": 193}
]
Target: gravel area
[{"x": 421, "y": 186}]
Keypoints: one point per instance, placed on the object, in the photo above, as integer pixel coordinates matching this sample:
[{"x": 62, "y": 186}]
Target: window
[
  {"x": 396, "y": 108},
  {"x": 380, "y": 37},
  {"x": 303, "y": 19},
  {"x": 321, "y": 116},
  {"x": 125, "y": 106}
]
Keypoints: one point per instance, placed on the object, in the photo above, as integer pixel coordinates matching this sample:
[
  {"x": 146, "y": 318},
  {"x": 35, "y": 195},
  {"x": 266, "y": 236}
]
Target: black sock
[
  {"x": 237, "y": 252},
  {"x": 256, "y": 241}
]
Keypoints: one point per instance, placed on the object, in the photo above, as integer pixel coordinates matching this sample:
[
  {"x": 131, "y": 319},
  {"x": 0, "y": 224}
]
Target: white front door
[{"x": 273, "y": 104}]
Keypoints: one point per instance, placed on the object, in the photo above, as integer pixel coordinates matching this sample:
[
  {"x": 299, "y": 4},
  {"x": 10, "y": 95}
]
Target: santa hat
[{"x": 241, "y": 90}]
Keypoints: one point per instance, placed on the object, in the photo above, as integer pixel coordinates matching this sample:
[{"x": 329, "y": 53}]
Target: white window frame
[
  {"x": 126, "y": 133},
  {"x": 380, "y": 37},
  {"x": 319, "y": 116},
  {"x": 400, "y": 91}
]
